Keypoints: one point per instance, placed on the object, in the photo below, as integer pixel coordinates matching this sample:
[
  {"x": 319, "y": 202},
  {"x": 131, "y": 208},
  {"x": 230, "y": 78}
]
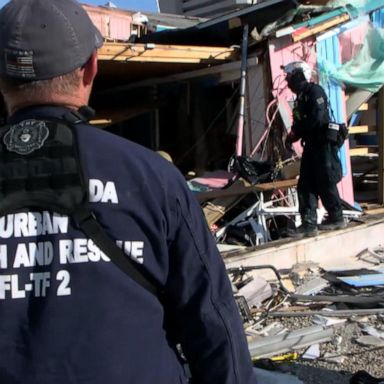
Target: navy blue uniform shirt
[
  {"x": 311, "y": 116},
  {"x": 70, "y": 316}
]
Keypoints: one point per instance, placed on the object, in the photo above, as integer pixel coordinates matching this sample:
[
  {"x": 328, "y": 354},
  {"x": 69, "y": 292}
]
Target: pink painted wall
[
  {"x": 281, "y": 52},
  {"x": 113, "y": 24}
]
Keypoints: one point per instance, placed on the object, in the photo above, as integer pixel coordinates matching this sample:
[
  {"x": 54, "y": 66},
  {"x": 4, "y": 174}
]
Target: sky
[{"x": 139, "y": 5}]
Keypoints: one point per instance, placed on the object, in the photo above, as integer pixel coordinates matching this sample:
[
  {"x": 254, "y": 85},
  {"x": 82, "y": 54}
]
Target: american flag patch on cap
[{"x": 19, "y": 63}]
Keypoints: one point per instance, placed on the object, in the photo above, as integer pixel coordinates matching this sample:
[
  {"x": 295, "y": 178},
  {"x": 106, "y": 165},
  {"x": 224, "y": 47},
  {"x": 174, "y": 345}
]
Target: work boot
[
  {"x": 304, "y": 230},
  {"x": 331, "y": 225}
]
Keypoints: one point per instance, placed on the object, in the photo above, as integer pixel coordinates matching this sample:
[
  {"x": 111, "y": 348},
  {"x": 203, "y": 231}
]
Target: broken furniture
[{"x": 277, "y": 198}]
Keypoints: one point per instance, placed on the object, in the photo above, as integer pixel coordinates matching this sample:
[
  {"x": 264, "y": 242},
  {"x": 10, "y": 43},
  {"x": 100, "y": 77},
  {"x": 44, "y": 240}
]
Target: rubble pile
[{"x": 320, "y": 325}]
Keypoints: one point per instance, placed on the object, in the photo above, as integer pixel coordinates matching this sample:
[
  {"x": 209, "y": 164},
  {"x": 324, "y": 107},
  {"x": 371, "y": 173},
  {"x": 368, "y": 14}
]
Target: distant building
[{"x": 203, "y": 8}]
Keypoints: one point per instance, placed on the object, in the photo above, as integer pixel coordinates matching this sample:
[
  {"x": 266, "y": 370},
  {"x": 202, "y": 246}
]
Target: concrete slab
[{"x": 331, "y": 250}]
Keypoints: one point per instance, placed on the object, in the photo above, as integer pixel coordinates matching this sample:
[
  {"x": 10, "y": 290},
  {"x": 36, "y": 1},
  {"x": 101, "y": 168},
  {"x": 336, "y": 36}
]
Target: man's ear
[{"x": 90, "y": 69}]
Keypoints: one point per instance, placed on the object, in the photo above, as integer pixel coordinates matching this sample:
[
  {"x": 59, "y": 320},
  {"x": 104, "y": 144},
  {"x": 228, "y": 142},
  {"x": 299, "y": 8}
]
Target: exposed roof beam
[
  {"x": 305, "y": 32},
  {"x": 126, "y": 52},
  {"x": 209, "y": 71}
]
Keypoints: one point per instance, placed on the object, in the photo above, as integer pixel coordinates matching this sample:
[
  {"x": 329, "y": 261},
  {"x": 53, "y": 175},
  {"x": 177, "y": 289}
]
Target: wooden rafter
[
  {"x": 305, "y": 32},
  {"x": 165, "y": 53}
]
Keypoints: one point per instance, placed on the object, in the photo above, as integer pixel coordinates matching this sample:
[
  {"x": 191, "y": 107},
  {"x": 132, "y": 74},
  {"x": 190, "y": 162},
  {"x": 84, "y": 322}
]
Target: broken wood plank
[
  {"x": 165, "y": 53},
  {"x": 360, "y": 151},
  {"x": 243, "y": 190},
  {"x": 302, "y": 33},
  {"x": 216, "y": 209},
  {"x": 362, "y": 129}
]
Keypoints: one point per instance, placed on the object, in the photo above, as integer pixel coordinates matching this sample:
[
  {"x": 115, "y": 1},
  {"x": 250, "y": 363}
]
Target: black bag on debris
[{"x": 251, "y": 170}]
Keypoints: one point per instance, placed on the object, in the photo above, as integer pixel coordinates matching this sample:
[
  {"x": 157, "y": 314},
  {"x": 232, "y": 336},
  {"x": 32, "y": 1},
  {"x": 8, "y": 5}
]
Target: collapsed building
[{"x": 210, "y": 94}]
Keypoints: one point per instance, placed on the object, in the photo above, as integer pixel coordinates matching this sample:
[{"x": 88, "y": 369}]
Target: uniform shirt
[
  {"x": 311, "y": 114},
  {"x": 70, "y": 316}
]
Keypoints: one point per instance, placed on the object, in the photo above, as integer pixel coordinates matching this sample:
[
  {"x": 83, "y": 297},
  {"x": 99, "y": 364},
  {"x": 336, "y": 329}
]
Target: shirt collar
[{"x": 38, "y": 111}]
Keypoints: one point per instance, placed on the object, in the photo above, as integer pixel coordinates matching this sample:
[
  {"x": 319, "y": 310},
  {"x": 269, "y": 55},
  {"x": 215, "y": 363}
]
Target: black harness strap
[
  {"x": 88, "y": 223},
  {"x": 50, "y": 176}
]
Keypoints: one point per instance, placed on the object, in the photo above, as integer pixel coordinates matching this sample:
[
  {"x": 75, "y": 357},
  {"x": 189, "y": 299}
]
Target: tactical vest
[{"x": 40, "y": 168}]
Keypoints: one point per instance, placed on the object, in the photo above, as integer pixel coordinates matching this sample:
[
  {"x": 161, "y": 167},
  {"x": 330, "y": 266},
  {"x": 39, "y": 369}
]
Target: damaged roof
[{"x": 227, "y": 29}]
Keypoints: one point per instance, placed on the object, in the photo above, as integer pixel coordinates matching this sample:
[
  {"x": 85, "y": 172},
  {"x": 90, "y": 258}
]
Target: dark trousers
[{"x": 319, "y": 174}]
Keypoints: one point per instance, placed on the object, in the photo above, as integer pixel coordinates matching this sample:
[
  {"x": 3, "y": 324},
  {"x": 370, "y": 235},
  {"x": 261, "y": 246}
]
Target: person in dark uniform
[
  {"x": 320, "y": 169},
  {"x": 68, "y": 314}
]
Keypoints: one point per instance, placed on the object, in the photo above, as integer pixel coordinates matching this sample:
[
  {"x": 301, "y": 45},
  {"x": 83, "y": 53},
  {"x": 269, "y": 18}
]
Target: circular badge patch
[{"x": 26, "y": 136}]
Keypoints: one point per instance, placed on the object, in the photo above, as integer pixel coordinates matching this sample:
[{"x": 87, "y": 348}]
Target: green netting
[{"x": 366, "y": 69}]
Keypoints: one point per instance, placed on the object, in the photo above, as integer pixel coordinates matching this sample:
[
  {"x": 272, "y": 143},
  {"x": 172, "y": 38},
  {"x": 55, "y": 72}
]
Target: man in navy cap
[{"x": 68, "y": 314}]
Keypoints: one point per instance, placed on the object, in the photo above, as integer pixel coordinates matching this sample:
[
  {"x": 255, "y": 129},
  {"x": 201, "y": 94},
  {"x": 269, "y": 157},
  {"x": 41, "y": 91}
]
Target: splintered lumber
[
  {"x": 362, "y": 129},
  {"x": 241, "y": 189},
  {"x": 165, "y": 53},
  {"x": 363, "y": 150},
  {"x": 216, "y": 209},
  {"x": 304, "y": 32},
  {"x": 226, "y": 199},
  {"x": 220, "y": 205},
  {"x": 290, "y": 340}
]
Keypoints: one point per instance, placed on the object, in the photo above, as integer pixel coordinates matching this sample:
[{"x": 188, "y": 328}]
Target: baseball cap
[{"x": 42, "y": 39}]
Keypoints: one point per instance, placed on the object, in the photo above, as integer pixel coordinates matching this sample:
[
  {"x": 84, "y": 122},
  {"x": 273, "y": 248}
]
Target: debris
[
  {"x": 301, "y": 271},
  {"x": 364, "y": 280},
  {"x": 326, "y": 321},
  {"x": 372, "y": 255},
  {"x": 370, "y": 341},
  {"x": 313, "y": 352},
  {"x": 244, "y": 310},
  {"x": 256, "y": 291},
  {"x": 286, "y": 357},
  {"x": 270, "y": 330},
  {"x": 337, "y": 313},
  {"x": 372, "y": 331},
  {"x": 275, "y": 345},
  {"x": 312, "y": 287},
  {"x": 334, "y": 358}
]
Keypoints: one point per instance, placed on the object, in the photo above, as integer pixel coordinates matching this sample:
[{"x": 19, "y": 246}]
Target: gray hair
[{"x": 40, "y": 89}]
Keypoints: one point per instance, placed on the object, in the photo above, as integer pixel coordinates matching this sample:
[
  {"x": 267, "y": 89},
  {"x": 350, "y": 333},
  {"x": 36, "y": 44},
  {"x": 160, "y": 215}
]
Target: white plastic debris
[{"x": 312, "y": 353}]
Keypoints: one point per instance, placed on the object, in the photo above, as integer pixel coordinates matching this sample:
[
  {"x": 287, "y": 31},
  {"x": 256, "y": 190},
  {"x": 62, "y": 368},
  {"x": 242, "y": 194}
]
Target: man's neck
[{"x": 19, "y": 106}]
